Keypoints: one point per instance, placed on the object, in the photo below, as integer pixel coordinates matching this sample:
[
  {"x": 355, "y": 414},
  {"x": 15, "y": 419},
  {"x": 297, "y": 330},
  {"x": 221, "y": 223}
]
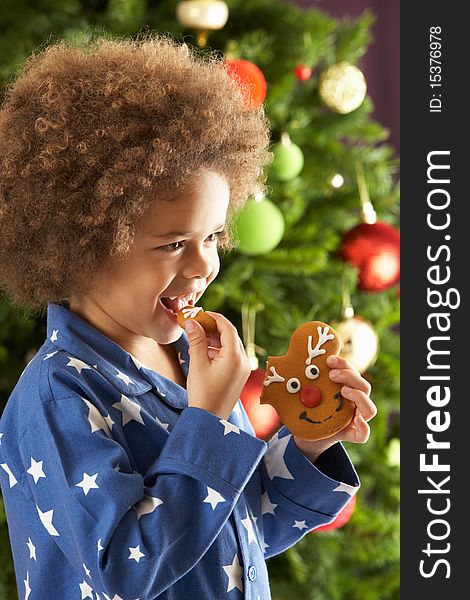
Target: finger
[
  {"x": 229, "y": 338},
  {"x": 213, "y": 353},
  {"x": 213, "y": 339},
  {"x": 362, "y": 429},
  {"x": 197, "y": 343},
  {"x": 365, "y": 407},
  {"x": 358, "y": 431},
  {"x": 242, "y": 346},
  {"x": 339, "y": 362},
  {"x": 350, "y": 377}
]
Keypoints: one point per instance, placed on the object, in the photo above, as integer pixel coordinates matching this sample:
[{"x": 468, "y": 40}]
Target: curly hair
[{"x": 90, "y": 135}]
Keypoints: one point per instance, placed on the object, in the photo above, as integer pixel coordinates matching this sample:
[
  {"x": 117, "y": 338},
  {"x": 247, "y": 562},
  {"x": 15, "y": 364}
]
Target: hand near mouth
[{"x": 218, "y": 367}]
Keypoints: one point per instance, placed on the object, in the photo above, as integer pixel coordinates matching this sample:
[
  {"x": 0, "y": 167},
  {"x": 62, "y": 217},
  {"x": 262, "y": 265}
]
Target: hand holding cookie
[
  {"x": 218, "y": 366},
  {"x": 311, "y": 403},
  {"x": 357, "y": 389}
]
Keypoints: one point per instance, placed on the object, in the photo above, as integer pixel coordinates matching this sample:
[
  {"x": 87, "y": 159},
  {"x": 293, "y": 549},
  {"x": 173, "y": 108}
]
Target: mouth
[
  {"x": 172, "y": 304},
  {"x": 338, "y": 397}
]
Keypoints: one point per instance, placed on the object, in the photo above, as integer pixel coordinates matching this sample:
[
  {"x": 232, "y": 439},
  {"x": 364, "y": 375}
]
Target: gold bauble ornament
[
  {"x": 342, "y": 87},
  {"x": 359, "y": 342},
  {"x": 202, "y": 15}
]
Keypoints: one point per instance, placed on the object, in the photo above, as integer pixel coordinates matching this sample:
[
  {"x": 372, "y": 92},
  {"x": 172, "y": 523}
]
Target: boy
[{"x": 128, "y": 465}]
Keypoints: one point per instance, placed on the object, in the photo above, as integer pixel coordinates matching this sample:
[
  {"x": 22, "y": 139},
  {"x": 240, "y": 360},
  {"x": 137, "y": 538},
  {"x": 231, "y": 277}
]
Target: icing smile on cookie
[{"x": 338, "y": 396}]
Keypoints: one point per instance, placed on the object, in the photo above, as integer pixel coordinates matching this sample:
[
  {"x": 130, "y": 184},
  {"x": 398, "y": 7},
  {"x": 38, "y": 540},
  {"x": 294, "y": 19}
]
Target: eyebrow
[{"x": 172, "y": 234}]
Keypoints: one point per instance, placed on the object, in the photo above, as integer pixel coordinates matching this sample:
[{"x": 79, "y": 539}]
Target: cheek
[{"x": 215, "y": 263}]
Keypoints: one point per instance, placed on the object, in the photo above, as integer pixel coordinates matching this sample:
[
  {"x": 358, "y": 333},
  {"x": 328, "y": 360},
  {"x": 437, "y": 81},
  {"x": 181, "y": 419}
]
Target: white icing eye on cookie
[
  {"x": 312, "y": 372},
  {"x": 293, "y": 385}
]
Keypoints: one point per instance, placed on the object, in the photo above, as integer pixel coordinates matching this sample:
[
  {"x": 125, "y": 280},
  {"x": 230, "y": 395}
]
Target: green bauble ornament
[
  {"x": 259, "y": 227},
  {"x": 288, "y": 159}
]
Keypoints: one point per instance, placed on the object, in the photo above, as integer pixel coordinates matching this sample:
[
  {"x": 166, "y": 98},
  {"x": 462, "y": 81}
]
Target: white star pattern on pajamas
[
  {"x": 88, "y": 482},
  {"x": 235, "y": 573},
  {"x": 300, "y": 525},
  {"x": 130, "y": 410},
  {"x": 87, "y": 571},
  {"x": 53, "y": 337},
  {"x": 1, "y": 435},
  {"x": 77, "y": 364},
  {"x": 164, "y": 425},
  {"x": 32, "y": 549},
  {"x": 248, "y": 525},
  {"x": 100, "y": 547},
  {"x": 275, "y": 464},
  {"x": 127, "y": 380},
  {"x": 26, "y": 585},
  {"x": 96, "y": 419},
  {"x": 266, "y": 505},
  {"x": 87, "y": 591},
  {"x": 50, "y": 355},
  {"x": 147, "y": 505},
  {"x": 46, "y": 520},
  {"x": 11, "y": 478},
  {"x": 36, "y": 470},
  {"x": 135, "y": 554},
  {"x": 213, "y": 497},
  {"x": 110, "y": 423},
  {"x": 349, "y": 489},
  {"x": 229, "y": 427}
]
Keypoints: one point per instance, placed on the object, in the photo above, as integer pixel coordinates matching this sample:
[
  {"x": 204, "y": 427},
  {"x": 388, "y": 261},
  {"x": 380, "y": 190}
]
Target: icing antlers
[
  {"x": 274, "y": 377},
  {"x": 323, "y": 337}
]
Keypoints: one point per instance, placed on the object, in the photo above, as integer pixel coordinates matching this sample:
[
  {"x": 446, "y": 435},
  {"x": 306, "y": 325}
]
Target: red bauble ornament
[
  {"x": 374, "y": 248},
  {"x": 341, "y": 518},
  {"x": 263, "y": 417},
  {"x": 302, "y": 72},
  {"x": 251, "y": 80}
]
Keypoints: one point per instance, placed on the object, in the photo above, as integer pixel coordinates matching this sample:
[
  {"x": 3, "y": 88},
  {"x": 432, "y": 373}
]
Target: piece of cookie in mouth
[
  {"x": 176, "y": 303},
  {"x": 338, "y": 397}
]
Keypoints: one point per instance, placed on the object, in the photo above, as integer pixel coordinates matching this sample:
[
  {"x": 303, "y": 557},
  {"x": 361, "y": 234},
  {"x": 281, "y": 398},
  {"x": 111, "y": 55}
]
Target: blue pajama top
[{"x": 115, "y": 489}]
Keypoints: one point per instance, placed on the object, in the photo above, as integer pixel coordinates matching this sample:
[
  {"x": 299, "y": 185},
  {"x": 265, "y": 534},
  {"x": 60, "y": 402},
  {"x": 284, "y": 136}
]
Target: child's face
[{"x": 164, "y": 264}]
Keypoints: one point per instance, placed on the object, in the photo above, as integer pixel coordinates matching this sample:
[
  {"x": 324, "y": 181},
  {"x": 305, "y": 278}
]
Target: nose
[
  {"x": 310, "y": 396},
  {"x": 200, "y": 264}
]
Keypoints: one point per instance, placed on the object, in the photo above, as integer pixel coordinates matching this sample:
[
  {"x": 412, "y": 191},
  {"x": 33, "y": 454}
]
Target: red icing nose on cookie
[{"x": 310, "y": 396}]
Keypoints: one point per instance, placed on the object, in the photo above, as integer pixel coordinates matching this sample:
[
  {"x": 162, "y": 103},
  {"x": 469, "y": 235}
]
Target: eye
[
  {"x": 312, "y": 372},
  {"x": 170, "y": 247},
  {"x": 175, "y": 246},
  {"x": 293, "y": 385},
  {"x": 215, "y": 237}
]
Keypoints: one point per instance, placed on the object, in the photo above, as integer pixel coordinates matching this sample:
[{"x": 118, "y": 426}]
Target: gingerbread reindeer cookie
[
  {"x": 197, "y": 313},
  {"x": 298, "y": 386}
]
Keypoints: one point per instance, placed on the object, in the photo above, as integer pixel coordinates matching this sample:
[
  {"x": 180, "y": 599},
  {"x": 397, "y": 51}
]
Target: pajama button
[{"x": 251, "y": 573}]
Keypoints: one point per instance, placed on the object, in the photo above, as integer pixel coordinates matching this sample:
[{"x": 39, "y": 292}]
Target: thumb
[{"x": 197, "y": 341}]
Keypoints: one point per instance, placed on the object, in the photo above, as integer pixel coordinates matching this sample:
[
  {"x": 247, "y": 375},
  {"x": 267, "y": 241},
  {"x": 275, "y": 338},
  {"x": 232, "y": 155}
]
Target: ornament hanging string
[
  {"x": 368, "y": 213},
  {"x": 348, "y": 310},
  {"x": 248, "y": 326}
]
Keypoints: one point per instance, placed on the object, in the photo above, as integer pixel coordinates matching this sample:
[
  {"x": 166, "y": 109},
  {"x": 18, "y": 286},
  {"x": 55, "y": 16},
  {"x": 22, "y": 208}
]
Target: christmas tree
[{"x": 322, "y": 245}]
